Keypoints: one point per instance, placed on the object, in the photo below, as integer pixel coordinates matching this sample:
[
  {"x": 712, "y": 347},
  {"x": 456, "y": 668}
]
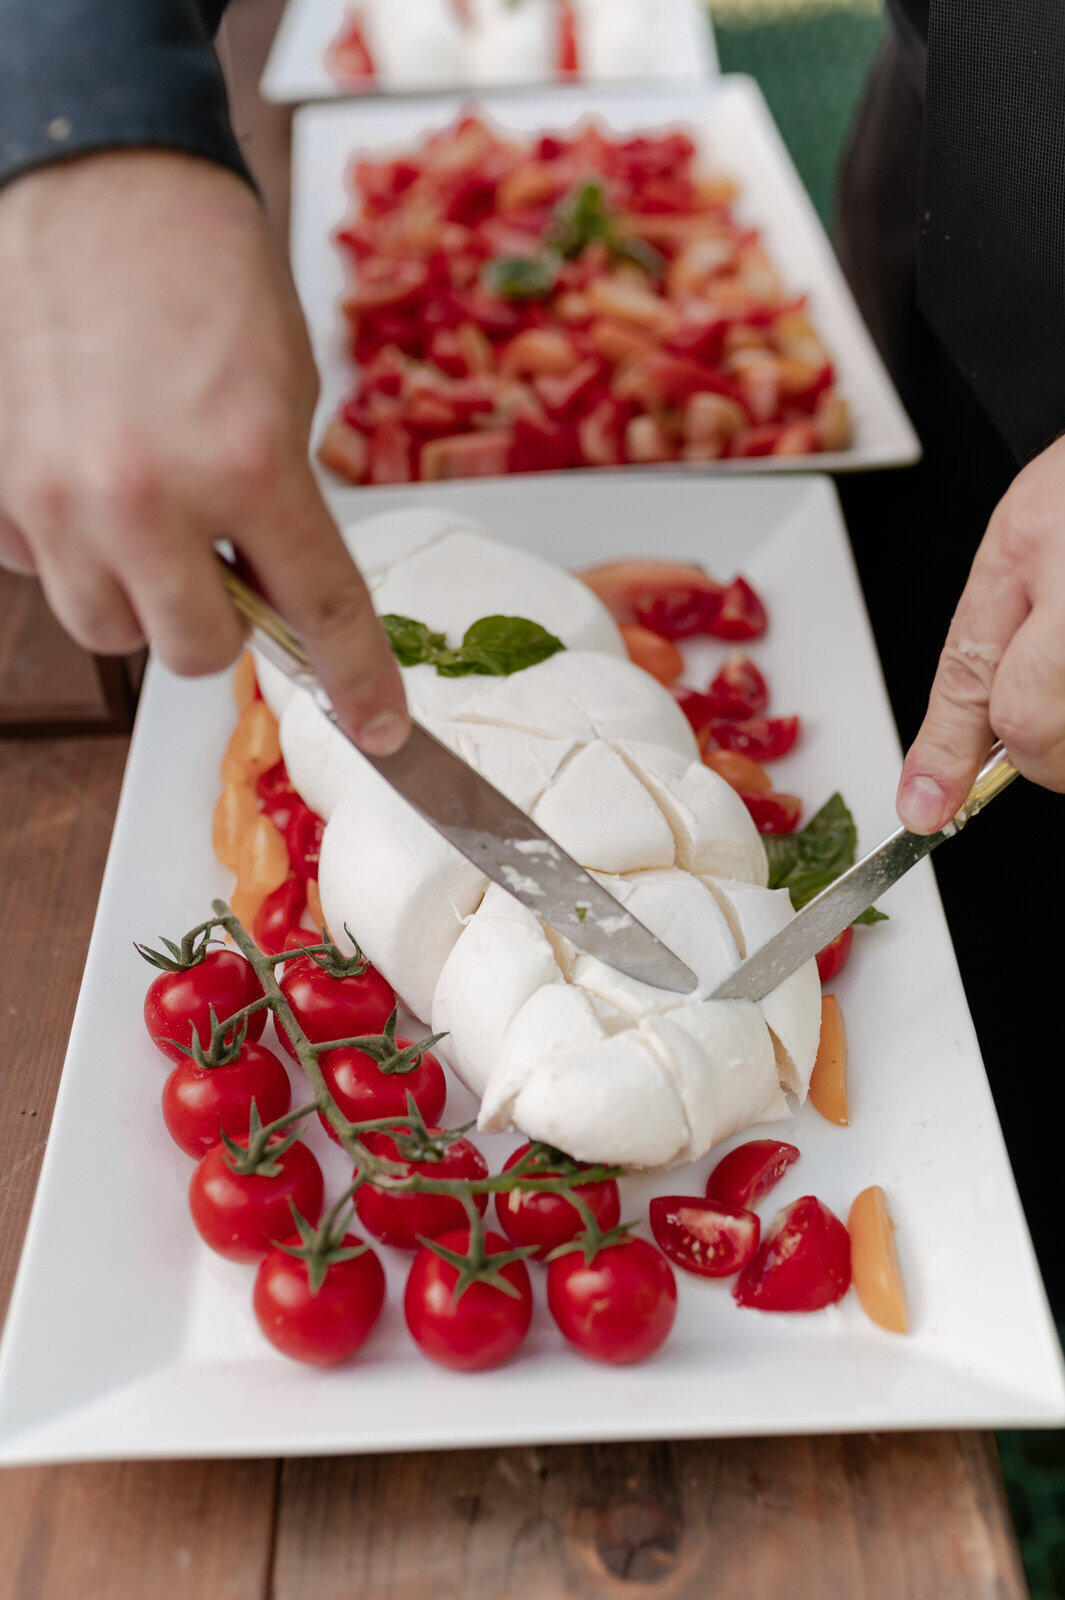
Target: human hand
[
  {"x": 1002, "y": 670},
  {"x": 156, "y": 395}
]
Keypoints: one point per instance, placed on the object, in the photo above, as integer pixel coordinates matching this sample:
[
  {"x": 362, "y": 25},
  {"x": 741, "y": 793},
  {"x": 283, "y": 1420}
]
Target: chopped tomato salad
[{"x": 572, "y": 300}]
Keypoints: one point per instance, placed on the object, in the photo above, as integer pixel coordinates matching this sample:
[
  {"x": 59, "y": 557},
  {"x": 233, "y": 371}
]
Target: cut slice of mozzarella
[
  {"x": 793, "y": 1008},
  {"x": 714, "y": 831}
]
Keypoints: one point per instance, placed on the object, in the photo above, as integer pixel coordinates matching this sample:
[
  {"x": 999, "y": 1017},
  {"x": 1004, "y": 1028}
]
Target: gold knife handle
[{"x": 995, "y": 775}]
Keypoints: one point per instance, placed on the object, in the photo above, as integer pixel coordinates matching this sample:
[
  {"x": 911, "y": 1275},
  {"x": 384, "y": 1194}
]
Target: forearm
[{"x": 84, "y": 75}]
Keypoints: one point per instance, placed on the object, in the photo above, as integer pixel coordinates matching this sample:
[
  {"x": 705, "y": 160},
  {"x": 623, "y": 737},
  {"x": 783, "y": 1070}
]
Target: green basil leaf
[
  {"x": 412, "y": 642},
  {"x": 521, "y": 277},
  {"x": 581, "y": 217},
  {"x": 870, "y": 916},
  {"x": 501, "y": 645},
  {"x": 807, "y": 861}
]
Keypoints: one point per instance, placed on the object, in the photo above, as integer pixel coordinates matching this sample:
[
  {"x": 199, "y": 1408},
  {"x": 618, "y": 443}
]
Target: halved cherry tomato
[
  {"x": 764, "y": 738},
  {"x": 738, "y": 689},
  {"x": 198, "y": 1102},
  {"x": 179, "y": 1002},
  {"x": 708, "y": 1237},
  {"x": 547, "y": 1220},
  {"x": 773, "y": 811},
  {"x": 619, "y": 1307},
  {"x": 481, "y": 1328},
  {"x": 745, "y": 1175},
  {"x": 242, "y": 1215},
  {"x": 833, "y": 958},
  {"x": 403, "y": 1220},
  {"x": 740, "y": 771},
  {"x": 323, "y": 1327},
  {"x": 741, "y": 614},
  {"x": 669, "y": 597},
  {"x": 802, "y": 1264},
  {"x": 303, "y": 840},
  {"x": 658, "y": 656}
]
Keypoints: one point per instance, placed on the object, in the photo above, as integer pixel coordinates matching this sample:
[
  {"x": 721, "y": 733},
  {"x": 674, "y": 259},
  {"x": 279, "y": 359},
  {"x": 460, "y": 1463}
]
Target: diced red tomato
[
  {"x": 382, "y": 282},
  {"x": 574, "y": 392},
  {"x": 348, "y": 58},
  {"x": 764, "y": 738},
  {"x": 738, "y": 689},
  {"x": 773, "y": 812},
  {"x": 467, "y": 455},
  {"x": 344, "y": 450},
  {"x": 540, "y": 445},
  {"x": 741, "y": 614},
  {"x": 746, "y": 1174},
  {"x": 833, "y": 958},
  {"x": 601, "y": 434},
  {"x": 390, "y": 454},
  {"x": 802, "y": 1264}
]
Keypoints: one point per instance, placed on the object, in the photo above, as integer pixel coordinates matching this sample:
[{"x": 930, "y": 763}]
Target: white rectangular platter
[
  {"x": 296, "y": 70},
  {"x": 126, "y": 1337},
  {"x": 735, "y": 134}
]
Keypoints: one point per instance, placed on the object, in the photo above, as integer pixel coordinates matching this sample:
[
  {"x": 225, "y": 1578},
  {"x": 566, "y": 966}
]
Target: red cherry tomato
[
  {"x": 761, "y": 737},
  {"x": 833, "y": 958},
  {"x": 278, "y": 914},
  {"x": 403, "y": 1220},
  {"x": 198, "y": 1102},
  {"x": 334, "y": 1008},
  {"x": 546, "y": 1219},
  {"x": 772, "y": 810},
  {"x": 324, "y": 1328},
  {"x": 484, "y": 1326},
  {"x": 277, "y": 796},
  {"x": 704, "y": 1236},
  {"x": 803, "y": 1263},
  {"x": 242, "y": 1216},
  {"x": 741, "y": 615},
  {"x": 363, "y": 1092},
  {"x": 178, "y": 1002},
  {"x": 619, "y": 1308},
  {"x": 303, "y": 840},
  {"x": 747, "y": 1174},
  {"x": 739, "y": 689}
]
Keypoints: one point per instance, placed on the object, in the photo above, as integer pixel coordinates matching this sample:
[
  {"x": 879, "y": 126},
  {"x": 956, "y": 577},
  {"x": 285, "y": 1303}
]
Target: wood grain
[{"x": 888, "y": 1517}]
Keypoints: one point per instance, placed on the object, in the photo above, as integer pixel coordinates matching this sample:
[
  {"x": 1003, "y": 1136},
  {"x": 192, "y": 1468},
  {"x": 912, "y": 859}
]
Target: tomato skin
[
  {"x": 321, "y": 1329},
  {"x": 764, "y": 738},
  {"x": 747, "y": 1173},
  {"x": 773, "y": 811},
  {"x": 484, "y": 1327},
  {"x": 802, "y": 1264},
  {"x": 658, "y": 656},
  {"x": 621, "y": 1307},
  {"x": 707, "y": 1237},
  {"x": 547, "y": 1220},
  {"x": 278, "y": 914},
  {"x": 334, "y": 1008},
  {"x": 399, "y": 1219},
  {"x": 303, "y": 840},
  {"x": 199, "y": 1101},
  {"x": 738, "y": 689},
  {"x": 741, "y": 614},
  {"x": 178, "y": 1002},
  {"x": 740, "y": 771},
  {"x": 668, "y": 597},
  {"x": 241, "y": 1217},
  {"x": 363, "y": 1092},
  {"x": 833, "y": 958}
]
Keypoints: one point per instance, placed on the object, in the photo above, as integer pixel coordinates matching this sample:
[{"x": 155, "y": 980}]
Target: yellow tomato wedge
[
  {"x": 262, "y": 863},
  {"x": 875, "y": 1262},
  {"x": 254, "y": 746},
  {"x": 828, "y": 1081},
  {"x": 245, "y": 904},
  {"x": 660, "y": 657},
  {"x": 234, "y": 814},
  {"x": 244, "y": 681}
]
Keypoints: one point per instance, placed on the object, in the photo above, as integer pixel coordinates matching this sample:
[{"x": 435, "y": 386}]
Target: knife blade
[
  {"x": 854, "y": 891},
  {"x": 482, "y": 824}
]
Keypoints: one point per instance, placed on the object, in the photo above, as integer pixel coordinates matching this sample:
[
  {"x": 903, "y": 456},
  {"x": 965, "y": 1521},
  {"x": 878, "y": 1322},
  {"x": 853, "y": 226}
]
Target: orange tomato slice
[
  {"x": 828, "y": 1081},
  {"x": 741, "y": 771},
  {"x": 262, "y": 863},
  {"x": 234, "y": 813},
  {"x": 253, "y": 746},
  {"x": 660, "y": 657},
  {"x": 875, "y": 1262},
  {"x": 244, "y": 681}
]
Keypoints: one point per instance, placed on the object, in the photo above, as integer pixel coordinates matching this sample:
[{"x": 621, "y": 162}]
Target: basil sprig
[
  {"x": 495, "y": 646},
  {"x": 521, "y": 277},
  {"x": 809, "y": 860},
  {"x": 582, "y": 216}
]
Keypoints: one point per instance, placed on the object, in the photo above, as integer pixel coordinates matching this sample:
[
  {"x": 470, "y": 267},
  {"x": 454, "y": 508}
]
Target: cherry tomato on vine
[
  {"x": 485, "y": 1325},
  {"x": 178, "y": 1002},
  {"x": 802, "y": 1264},
  {"x": 242, "y": 1215},
  {"x": 363, "y": 1090},
  {"x": 547, "y": 1219},
  {"x": 326, "y": 1328},
  {"x": 704, "y": 1236},
  {"x": 403, "y": 1220},
  {"x": 620, "y": 1307},
  {"x": 198, "y": 1102},
  {"x": 334, "y": 1008}
]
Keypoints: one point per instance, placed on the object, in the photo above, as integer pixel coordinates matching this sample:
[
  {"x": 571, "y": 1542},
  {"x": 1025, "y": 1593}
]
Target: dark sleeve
[{"x": 81, "y": 75}]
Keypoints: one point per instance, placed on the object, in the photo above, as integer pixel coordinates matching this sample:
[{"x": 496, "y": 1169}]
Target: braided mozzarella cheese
[{"x": 555, "y": 1042}]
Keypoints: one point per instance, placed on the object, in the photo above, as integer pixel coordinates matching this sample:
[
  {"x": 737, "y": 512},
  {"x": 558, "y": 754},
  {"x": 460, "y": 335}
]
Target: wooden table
[{"x": 884, "y": 1517}]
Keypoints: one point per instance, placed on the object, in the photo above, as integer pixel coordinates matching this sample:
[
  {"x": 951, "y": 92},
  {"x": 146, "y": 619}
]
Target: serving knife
[
  {"x": 481, "y": 823},
  {"x": 854, "y": 891}
]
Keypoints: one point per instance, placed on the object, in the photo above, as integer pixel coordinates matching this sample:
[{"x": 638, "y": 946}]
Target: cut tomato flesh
[
  {"x": 802, "y": 1264},
  {"x": 708, "y": 1237},
  {"x": 746, "y": 1174}
]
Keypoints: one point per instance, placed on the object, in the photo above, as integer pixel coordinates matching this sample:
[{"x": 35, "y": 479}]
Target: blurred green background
[{"x": 810, "y": 58}]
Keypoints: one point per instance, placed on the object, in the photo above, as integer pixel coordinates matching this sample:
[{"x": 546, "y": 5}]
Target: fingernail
[
  {"x": 384, "y": 734},
  {"x": 921, "y": 805}
]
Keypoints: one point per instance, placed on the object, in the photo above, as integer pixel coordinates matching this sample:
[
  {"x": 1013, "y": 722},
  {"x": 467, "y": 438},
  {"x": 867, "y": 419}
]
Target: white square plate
[
  {"x": 735, "y": 134},
  {"x": 296, "y": 68},
  {"x": 126, "y": 1337}
]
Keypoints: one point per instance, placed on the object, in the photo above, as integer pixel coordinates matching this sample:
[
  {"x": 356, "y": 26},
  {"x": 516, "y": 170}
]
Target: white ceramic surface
[
  {"x": 126, "y": 1337},
  {"x": 735, "y": 134},
  {"x": 296, "y": 67}
]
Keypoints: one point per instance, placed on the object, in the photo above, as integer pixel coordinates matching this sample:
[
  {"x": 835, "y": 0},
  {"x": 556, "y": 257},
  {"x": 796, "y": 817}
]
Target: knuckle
[
  {"x": 965, "y": 675},
  {"x": 253, "y": 457}
]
